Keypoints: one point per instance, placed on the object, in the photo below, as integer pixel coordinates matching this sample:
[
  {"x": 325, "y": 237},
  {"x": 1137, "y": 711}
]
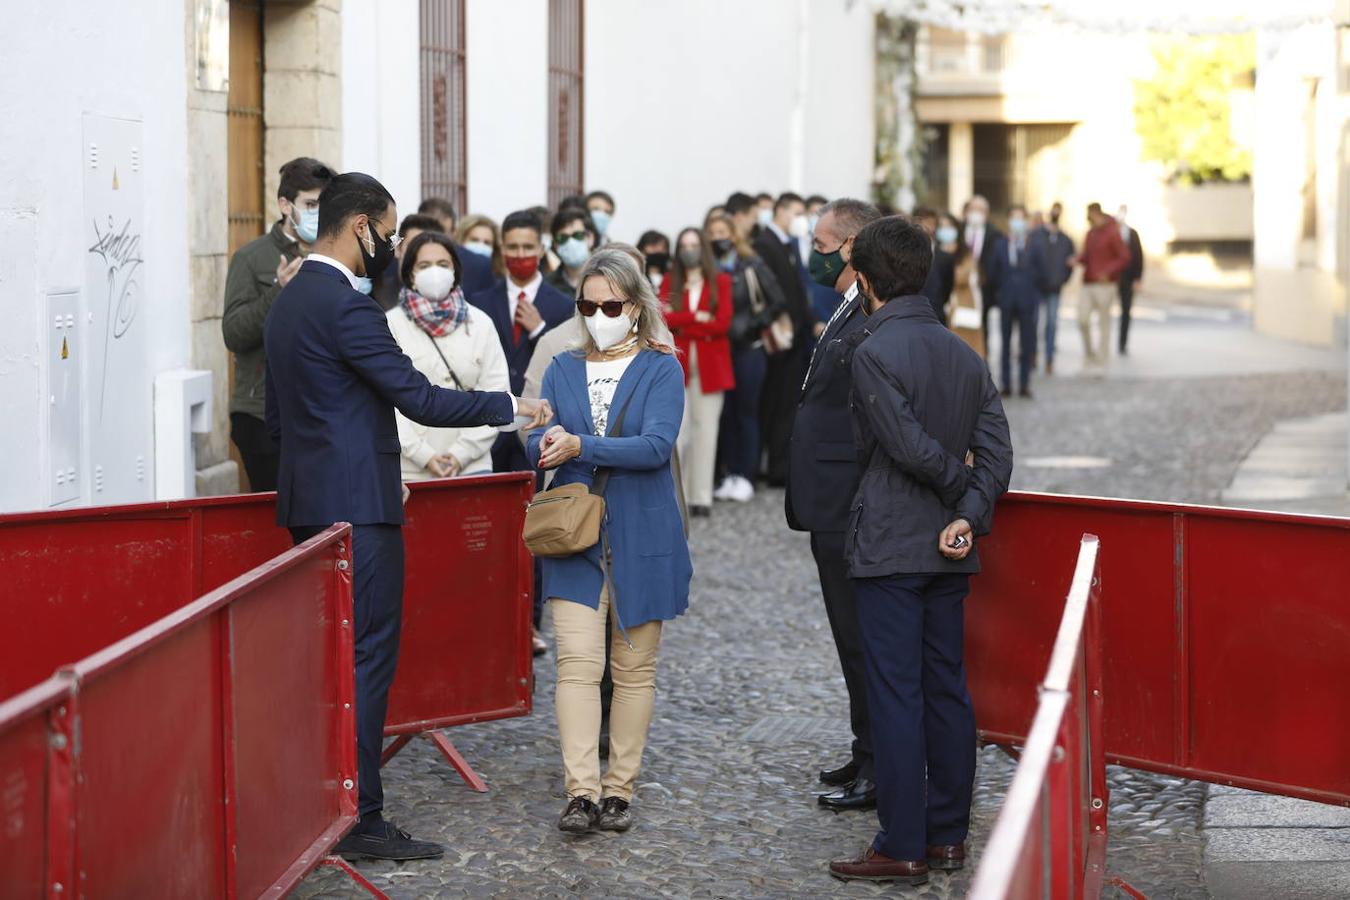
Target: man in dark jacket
[
  {"x": 1129, "y": 279},
  {"x": 1056, "y": 251},
  {"x": 822, "y": 476},
  {"x": 258, "y": 271},
  {"x": 922, "y": 400}
]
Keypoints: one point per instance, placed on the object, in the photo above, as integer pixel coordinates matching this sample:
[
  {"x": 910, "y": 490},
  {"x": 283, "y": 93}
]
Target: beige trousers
[
  {"x": 698, "y": 438},
  {"x": 581, "y": 636},
  {"x": 1096, "y": 298}
]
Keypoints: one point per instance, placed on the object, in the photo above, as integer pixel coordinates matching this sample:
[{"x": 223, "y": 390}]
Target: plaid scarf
[{"x": 436, "y": 317}]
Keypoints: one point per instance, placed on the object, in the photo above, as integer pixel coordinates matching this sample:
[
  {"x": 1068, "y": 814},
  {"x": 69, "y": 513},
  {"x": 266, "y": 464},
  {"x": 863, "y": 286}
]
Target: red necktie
[{"x": 516, "y": 330}]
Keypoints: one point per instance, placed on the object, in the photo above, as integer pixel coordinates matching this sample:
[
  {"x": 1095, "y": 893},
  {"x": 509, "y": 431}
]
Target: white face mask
[
  {"x": 607, "y": 332},
  {"x": 975, "y": 218},
  {"x": 434, "y": 282},
  {"x": 655, "y": 278},
  {"x": 800, "y": 226}
]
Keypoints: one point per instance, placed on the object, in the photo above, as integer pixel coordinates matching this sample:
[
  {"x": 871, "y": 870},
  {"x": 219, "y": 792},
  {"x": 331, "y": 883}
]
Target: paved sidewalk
[{"x": 1299, "y": 466}]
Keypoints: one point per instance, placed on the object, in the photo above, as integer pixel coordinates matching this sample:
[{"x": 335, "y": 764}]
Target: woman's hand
[
  {"x": 703, "y": 316},
  {"x": 558, "y": 447},
  {"x": 443, "y": 465}
]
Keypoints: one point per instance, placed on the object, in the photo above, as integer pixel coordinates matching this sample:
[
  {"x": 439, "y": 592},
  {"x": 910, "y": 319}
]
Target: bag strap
[
  {"x": 753, "y": 286},
  {"x": 601, "y": 479},
  {"x": 459, "y": 385}
]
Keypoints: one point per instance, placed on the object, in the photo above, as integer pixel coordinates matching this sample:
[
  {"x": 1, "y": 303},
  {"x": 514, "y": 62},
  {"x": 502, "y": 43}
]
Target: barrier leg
[
  {"x": 452, "y": 756},
  {"x": 392, "y": 750},
  {"x": 337, "y": 862}
]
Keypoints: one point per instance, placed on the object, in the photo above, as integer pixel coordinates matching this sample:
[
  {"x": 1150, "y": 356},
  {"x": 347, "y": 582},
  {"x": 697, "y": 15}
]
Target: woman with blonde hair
[
  {"x": 618, "y": 400},
  {"x": 479, "y": 234}
]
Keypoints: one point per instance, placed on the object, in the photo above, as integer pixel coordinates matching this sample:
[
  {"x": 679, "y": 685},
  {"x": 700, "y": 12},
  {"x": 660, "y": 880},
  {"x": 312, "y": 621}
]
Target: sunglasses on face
[
  {"x": 612, "y": 308},
  {"x": 578, "y": 235}
]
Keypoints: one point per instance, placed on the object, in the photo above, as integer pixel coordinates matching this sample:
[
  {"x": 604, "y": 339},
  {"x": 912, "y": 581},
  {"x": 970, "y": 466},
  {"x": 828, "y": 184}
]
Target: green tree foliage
[{"x": 1183, "y": 112}]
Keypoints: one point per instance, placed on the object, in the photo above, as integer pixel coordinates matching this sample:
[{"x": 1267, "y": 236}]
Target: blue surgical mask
[
  {"x": 946, "y": 234},
  {"x": 479, "y": 248},
  {"x": 364, "y": 285},
  {"x": 307, "y": 226},
  {"x": 572, "y": 252},
  {"x": 601, "y": 220},
  {"x": 1017, "y": 226},
  {"x": 765, "y": 217}
]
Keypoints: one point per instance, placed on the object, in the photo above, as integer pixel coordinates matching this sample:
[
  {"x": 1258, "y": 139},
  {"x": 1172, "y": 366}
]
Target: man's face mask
[{"x": 376, "y": 252}]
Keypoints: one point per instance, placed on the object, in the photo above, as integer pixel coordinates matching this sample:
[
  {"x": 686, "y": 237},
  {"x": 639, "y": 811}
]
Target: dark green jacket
[{"x": 250, "y": 288}]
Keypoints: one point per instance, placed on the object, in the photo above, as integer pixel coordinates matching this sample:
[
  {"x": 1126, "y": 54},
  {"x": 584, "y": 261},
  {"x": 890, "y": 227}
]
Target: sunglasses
[
  {"x": 612, "y": 308},
  {"x": 578, "y": 235}
]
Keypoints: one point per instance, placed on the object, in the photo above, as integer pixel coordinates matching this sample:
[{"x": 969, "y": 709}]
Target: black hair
[
  {"x": 652, "y": 236},
  {"x": 577, "y": 201},
  {"x": 351, "y": 194},
  {"x": 415, "y": 247},
  {"x": 763, "y": 195},
  {"x": 786, "y": 198},
  {"x": 573, "y": 214},
  {"x": 439, "y": 207},
  {"x": 522, "y": 218},
  {"x": 601, "y": 195},
  {"x": 739, "y": 202},
  {"x": 925, "y": 212},
  {"x": 1095, "y": 208},
  {"x": 816, "y": 198},
  {"x": 303, "y": 174},
  {"x": 895, "y": 255},
  {"x": 542, "y": 213},
  {"x": 418, "y": 222}
]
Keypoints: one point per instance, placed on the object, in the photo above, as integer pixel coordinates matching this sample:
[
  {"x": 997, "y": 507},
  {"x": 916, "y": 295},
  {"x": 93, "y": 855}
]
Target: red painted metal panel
[
  {"x": 464, "y": 654},
  {"x": 25, "y": 793}
]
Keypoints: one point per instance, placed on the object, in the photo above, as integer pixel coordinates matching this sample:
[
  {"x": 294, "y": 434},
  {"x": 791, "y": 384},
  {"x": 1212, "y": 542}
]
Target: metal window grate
[
  {"x": 566, "y": 93},
  {"x": 445, "y": 165}
]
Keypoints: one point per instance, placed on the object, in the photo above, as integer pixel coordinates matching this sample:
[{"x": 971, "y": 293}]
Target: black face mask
[
  {"x": 658, "y": 262},
  {"x": 721, "y": 247},
  {"x": 378, "y": 261}
]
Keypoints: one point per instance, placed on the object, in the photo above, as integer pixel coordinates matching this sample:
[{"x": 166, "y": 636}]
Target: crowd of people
[{"x": 817, "y": 345}]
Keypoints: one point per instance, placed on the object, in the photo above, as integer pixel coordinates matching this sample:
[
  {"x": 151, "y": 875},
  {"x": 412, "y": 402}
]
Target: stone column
[
  {"x": 208, "y": 245},
  {"x": 960, "y": 164},
  {"x": 302, "y": 84}
]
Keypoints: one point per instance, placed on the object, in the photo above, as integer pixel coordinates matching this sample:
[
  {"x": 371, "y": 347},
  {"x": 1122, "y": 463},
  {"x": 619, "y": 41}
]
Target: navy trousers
[
  {"x": 923, "y": 724},
  {"x": 738, "y": 436},
  {"x": 1026, "y": 313},
  {"x": 377, "y": 601}
]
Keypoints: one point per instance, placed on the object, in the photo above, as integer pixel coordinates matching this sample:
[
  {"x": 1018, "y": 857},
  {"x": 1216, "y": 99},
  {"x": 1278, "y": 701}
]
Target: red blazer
[{"x": 714, "y": 349}]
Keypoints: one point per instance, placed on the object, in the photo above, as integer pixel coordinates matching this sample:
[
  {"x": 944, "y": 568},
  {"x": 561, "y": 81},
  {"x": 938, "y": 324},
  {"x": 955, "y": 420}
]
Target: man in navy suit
[
  {"x": 522, "y": 306},
  {"x": 822, "y": 475},
  {"x": 334, "y": 377}
]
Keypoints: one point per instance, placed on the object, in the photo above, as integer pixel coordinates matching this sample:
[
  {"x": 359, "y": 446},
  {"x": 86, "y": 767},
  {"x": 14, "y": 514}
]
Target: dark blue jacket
[
  {"x": 334, "y": 378},
  {"x": 822, "y": 460},
  {"x": 1056, "y": 252},
  {"x": 922, "y": 398},
  {"x": 1018, "y": 282},
  {"x": 556, "y": 308},
  {"x": 476, "y": 271}
]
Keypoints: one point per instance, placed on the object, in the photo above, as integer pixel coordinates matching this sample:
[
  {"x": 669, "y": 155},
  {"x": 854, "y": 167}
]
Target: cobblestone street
[{"x": 751, "y": 704}]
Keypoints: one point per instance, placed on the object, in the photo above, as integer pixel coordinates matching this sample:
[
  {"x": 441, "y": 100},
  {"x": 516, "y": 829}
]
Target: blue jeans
[
  {"x": 923, "y": 723},
  {"x": 1051, "y": 324},
  {"x": 738, "y": 435}
]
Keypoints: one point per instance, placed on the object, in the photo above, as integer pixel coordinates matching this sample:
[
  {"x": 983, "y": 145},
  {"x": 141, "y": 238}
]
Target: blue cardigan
[{"x": 651, "y": 567}]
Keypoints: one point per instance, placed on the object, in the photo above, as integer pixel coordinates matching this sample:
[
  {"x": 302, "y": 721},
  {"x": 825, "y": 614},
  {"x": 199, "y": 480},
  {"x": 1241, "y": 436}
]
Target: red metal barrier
[
  {"x": 211, "y": 753},
  {"x": 79, "y": 579},
  {"x": 1050, "y": 837},
  {"x": 1212, "y": 614}
]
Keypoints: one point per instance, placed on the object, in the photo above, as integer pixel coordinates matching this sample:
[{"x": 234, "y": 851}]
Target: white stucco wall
[
  {"x": 507, "y": 104},
  {"x": 381, "y": 110},
  {"x": 686, "y": 104},
  {"x": 117, "y": 64}
]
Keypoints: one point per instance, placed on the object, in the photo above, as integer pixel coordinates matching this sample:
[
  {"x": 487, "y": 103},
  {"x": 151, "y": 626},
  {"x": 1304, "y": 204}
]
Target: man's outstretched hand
[
  {"x": 957, "y": 540},
  {"x": 539, "y": 411}
]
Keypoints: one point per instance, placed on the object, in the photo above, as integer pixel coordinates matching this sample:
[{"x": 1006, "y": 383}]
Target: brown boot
[
  {"x": 873, "y": 866},
  {"x": 948, "y": 857}
]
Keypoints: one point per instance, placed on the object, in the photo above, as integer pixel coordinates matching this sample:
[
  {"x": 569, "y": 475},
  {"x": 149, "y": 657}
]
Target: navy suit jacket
[
  {"x": 555, "y": 306},
  {"x": 334, "y": 378},
  {"x": 475, "y": 271},
  {"x": 823, "y": 470}
]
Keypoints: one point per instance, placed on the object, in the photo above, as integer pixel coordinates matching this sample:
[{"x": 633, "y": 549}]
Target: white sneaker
[
  {"x": 726, "y": 489},
  {"x": 742, "y": 491}
]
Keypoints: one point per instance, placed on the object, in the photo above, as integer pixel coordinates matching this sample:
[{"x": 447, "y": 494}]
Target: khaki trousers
[
  {"x": 581, "y": 636},
  {"x": 1096, "y": 298},
  {"x": 698, "y": 438}
]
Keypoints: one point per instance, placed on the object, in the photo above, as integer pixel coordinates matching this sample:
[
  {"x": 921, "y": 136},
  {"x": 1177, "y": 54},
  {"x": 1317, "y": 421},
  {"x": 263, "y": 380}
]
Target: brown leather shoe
[
  {"x": 873, "y": 866},
  {"x": 948, "y": 857}
]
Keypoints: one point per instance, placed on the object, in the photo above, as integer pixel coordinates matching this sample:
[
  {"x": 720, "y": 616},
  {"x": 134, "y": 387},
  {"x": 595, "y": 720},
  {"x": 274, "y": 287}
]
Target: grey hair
[
  {"x": 619, "y": 266},
  {"x": 850, "y": 215}
]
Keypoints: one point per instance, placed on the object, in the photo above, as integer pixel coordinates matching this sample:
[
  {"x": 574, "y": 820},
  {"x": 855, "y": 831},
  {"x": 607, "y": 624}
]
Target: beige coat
[{"x": 480, "y": 365}]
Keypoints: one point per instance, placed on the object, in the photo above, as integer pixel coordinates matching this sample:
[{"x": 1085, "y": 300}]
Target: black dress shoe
[
  {"x": 385, "y": 841},
  {"x": 861, "y": 794},
  {"x": 580, "y": 816},
  {"x": 700, "y": 512},
  {"x": 840, "y": 776}
]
